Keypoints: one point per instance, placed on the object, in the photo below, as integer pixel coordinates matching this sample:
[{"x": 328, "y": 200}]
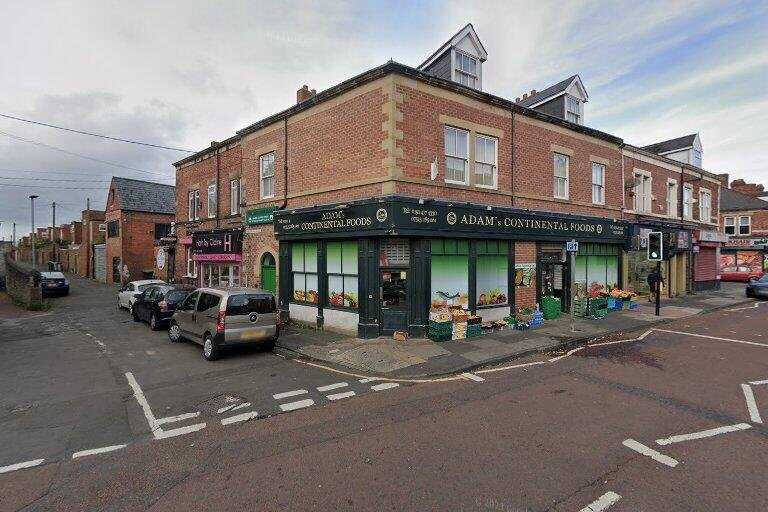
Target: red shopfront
[
  {"x": 706, "y": 259},
  {"x": 217, "y": 258}
]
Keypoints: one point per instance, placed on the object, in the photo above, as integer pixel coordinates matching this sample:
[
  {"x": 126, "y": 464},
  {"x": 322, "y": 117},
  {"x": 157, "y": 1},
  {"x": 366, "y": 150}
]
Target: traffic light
[{"x": 655, "y": 246}]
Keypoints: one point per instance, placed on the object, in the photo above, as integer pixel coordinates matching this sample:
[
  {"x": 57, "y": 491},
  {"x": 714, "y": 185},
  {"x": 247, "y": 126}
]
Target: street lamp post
[{"x": 34, "y": 250}]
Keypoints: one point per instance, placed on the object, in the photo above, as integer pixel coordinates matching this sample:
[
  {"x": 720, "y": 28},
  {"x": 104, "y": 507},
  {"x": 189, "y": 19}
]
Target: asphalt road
[{"x": 672, "y": 422}]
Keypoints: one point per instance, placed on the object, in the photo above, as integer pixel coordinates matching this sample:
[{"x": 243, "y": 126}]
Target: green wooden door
[{"x": 268, "y": 273}]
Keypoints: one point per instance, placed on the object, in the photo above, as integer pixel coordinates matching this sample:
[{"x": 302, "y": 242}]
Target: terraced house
[{"x": 404, "y": 186}]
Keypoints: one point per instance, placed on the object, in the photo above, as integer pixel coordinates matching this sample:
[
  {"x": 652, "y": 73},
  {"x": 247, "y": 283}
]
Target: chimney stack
[
  {"x": 305, "y": 93},
  {"x": 533, "y": 93},
  {"x": 525, "y": 95}
]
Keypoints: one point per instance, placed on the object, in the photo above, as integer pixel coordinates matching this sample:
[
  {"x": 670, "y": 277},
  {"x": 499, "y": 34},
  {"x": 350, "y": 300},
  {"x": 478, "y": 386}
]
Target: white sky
[{"x": 185, "y": 73}]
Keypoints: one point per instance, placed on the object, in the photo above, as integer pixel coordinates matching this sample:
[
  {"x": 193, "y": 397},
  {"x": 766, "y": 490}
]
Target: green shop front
[{"x": 376, "y": 266}]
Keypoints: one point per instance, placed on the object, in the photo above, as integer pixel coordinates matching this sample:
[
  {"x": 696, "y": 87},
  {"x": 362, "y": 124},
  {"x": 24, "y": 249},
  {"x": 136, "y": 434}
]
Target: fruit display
[
  {"x": 305, "y": 296},
  {"x": 343, "y": 300},
  {"x": 492, "y": 297}
]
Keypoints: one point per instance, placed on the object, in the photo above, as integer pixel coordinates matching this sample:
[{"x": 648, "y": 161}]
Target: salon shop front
[{"x": 376, "y": 266}]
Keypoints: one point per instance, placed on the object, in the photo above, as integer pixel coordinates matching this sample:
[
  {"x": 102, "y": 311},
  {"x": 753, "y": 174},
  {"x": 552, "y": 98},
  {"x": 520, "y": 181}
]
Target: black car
[
  {"x": 156, "y": 304},
  {"x": 758, "y": 288},
  {"x": 53, "y": 284}
]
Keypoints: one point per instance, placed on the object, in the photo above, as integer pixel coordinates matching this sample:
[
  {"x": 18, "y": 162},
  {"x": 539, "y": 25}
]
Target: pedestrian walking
[{"x": 655, "y": 279}]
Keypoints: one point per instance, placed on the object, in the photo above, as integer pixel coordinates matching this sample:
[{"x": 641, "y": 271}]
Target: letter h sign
[{"x": 227, "y": 243}]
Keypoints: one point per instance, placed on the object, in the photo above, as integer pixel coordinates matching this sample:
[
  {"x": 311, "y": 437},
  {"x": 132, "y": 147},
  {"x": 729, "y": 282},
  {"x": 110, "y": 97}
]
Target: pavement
[
  {"x": 669, "y": 417},
  {"x": 418, "y": 358}
]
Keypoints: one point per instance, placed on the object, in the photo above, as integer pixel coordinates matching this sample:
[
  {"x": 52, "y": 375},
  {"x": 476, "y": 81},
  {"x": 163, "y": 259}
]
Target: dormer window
[
  {"x": 572, "y": 109},
  {"x": 466, "y": 70}
]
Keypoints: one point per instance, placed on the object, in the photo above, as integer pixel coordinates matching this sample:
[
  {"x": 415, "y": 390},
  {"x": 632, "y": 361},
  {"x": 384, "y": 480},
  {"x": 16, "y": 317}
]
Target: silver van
[{"x": 221, "y": 317}]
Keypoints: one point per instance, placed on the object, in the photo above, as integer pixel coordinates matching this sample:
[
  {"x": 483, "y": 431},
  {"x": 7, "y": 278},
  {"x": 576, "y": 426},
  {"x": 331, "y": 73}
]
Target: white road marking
[
  {"x": 731, "y": 340},
  {"x": 292, "y": 406},
  {"x": 472, "y": 376},
  {"x": 225, "y": 409},
  {"x": 96, "y": 451},
  {"x": 753, "y": 306},
  {"x": 759, "y": 382},
  {"x": 240, "y": 417},
  {"x": 142, "y": 400},
  {"x": 369, "y": 379},
  {"x": 287, "y": 394},
  {"x": 339, "y": 396},
  {"x": 650, "y": 452},
  {"x": 384, "y": 385},
  {"x": 21, "y": 465},
  {"x": 749, "y": 396},
  {"x": 241, "y": 406},
  {"x": 174, "y": 419},
  {"x": 703, "y": 434},
  {"x": 604, "y": 502},
  {"x": 330, "y": 387},
  {"x": 165, "y": 434}
]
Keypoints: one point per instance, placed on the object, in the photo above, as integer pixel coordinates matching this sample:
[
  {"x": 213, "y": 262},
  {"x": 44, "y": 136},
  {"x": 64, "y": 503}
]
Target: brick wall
[
  {"x": 135, "y": 245},
  {"x": 22, "y": 283}
]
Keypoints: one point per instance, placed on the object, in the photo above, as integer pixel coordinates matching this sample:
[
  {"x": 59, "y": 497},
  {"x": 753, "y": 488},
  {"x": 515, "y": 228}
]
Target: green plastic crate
[{"x": 474, "y": 330}]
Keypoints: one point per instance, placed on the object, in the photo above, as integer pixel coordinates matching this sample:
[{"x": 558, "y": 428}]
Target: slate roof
[
  {"x": 550, "y": 91},
  {"x": 145, "y": 196},
  {"x": 686, "y": 141},
  {"x": 730, "y": 201}
]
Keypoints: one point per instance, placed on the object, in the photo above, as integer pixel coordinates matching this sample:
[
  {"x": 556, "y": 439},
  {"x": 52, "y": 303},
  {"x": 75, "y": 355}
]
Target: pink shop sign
[{"x": 217, "y": 257}]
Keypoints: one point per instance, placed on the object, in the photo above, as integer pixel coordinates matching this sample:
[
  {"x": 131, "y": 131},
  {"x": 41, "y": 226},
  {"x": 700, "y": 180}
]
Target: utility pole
[
  {"x": 14, "y": 235},
  {"x": 53, "y": 231},
  {"x": 34, "y": 250}
]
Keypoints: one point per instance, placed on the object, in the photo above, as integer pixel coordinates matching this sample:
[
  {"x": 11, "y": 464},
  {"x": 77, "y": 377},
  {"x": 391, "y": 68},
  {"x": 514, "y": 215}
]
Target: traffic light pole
[{"x": 658, "y": 287}]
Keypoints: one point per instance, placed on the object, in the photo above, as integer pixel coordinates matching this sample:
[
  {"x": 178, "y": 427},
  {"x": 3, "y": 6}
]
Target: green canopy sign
[{"x": 260, "y": 216}]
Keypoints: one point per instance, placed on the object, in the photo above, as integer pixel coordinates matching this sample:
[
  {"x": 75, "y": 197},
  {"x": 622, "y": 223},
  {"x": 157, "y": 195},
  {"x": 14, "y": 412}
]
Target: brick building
[
  {"x": 90, "y": 259},
  {"x": 138, "y": 213},
  {"x": 744, "y": 219},
  {"x": 404, "y": 187}
]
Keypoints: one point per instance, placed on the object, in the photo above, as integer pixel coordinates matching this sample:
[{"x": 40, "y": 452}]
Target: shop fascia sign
[
  {"x": 260, "y": 216},
  {"x": 712, "y": 236},
  {"x": 398, "y": 216},
  {"x": 746, "y": 242},
  {"x": 217, "y": 242}
]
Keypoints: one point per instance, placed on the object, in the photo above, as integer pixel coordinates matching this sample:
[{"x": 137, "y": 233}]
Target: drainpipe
[
  {"x": 285, "y": 164},
  {"x": 512, "y": 163},
  {"x": 218, "y": 194}
]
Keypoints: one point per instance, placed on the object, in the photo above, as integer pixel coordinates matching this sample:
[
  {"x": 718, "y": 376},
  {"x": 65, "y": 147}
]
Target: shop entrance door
[
  {"x": 553, "y": 280},
  {"x": 394, "y": 300}
]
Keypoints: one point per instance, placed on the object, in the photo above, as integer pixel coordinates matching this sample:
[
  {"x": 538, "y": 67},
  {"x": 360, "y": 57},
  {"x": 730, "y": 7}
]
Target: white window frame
[
  {"x": 748, "y": 225},
  {"x": 672, "y": 200},
  {"x": 732, "y": 225},
  {"x": 459, "y": 73},
  {"x": 191, "y": 264},
  {"x": 494, "y": 165},
  {"x": 705, "y": 214},
  {"x": 234, "y": 196},
  {"x": 643, "y": 202},
  {"x": 696, "y": 155},
  {"x": 598, "y": 187},
  {"x": 448, "y": 129},
  {"x": 212, "y": 203},
  {"x": 579, "y": 109},
  {"x": 688, "y": 204},
  {"x": 567, "y": 177},
  {"x": 193, "y": 205},
  {"x": 264, "y": 169}
]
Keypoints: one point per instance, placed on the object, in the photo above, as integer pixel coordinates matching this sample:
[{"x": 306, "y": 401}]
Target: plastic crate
[
  {"x": 474, "y": 330},
  {"x": 615, "y": 304},
  {"x": 439, "y": 338},
  {"x": 440, "y": 327}
]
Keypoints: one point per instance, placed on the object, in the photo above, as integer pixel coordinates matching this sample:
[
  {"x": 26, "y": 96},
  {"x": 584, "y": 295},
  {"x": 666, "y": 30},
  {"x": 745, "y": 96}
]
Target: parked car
[
  {"x": 53, "y": 284},
  {"x": 758, "y": 287},
  {"x": 128, "y": 293},
  {"x": 157, "y": 303},
  {"x": 740, "y": 274},
  {"x": 221, "y": 317}
]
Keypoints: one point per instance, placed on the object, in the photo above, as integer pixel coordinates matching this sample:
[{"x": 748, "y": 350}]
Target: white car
[{"x": 127, "y": 295}]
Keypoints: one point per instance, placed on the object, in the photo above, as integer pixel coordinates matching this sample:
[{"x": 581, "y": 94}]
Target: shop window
[
  {"x": 744, "y": 225},
  {"x": 450, "y": 272},
  {"x": 561, "y": 163},
  {"x": 341, "y": 262},
  {"x": 492, "y": 273},
  {"x": 267, "y": 174},
  {"x": 304, "y": 266},
  {"x": 456, "y": 155},
  {"x": 485, "y": 161},
  {"x": 597, "y": 268},
  {"x": 730, "y": 225}
]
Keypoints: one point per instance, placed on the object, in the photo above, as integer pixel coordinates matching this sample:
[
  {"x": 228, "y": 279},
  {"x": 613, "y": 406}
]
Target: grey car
[
  {"x": 758, "y": 288},
  {"x": 222, "y": 317}
]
